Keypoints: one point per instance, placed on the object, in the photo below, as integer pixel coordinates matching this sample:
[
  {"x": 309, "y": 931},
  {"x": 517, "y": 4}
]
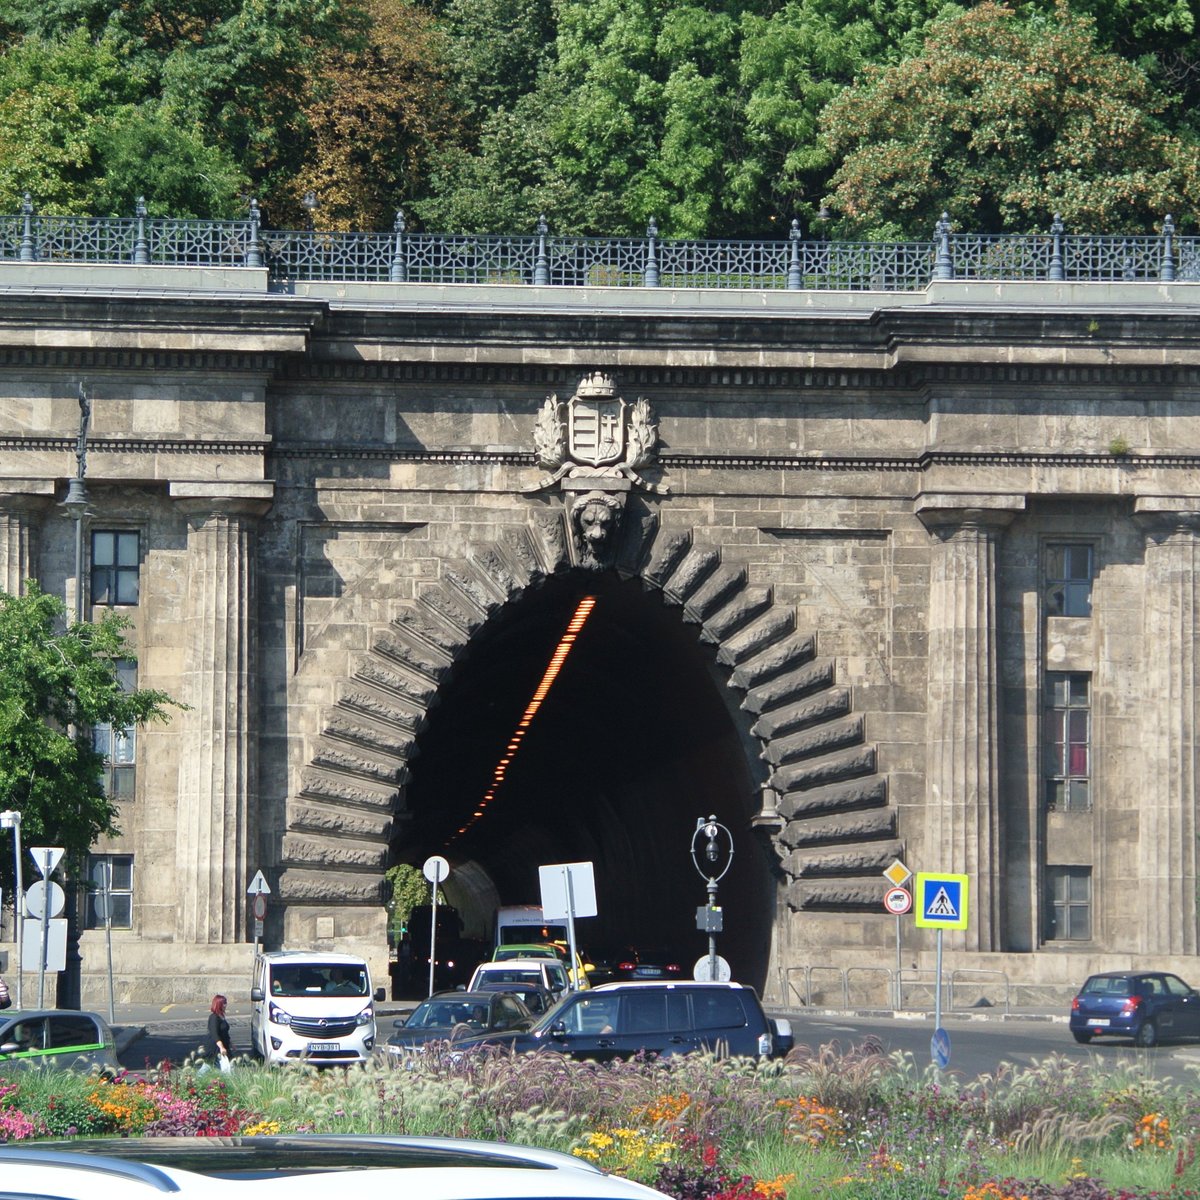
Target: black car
[
  {"x": 619, "y": 1020},
  {"x": 649, "y": 964},
  {"x": 1144, "y": 1005},
  {"x": 537, "y": 999},
  {"x": 454, "y": 1015}
]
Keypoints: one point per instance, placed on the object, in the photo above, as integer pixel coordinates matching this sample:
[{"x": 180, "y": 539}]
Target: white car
[
  {"x": 299, "y": 1166},
  {"x": 548, "y": 973}
]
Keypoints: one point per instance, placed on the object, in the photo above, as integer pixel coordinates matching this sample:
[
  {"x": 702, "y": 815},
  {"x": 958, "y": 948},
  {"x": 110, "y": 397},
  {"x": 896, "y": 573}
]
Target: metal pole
[
  {"x": 899, "y": 969},
  {"x": 433, "y": 937},
  {"x": 20, "y": 907},
  {"x": 45, "y": 930},
  {"x": 937, "y": 995},
  {"x": 573, "y": 975},
  {"x": 712, "y": 937},
  {"x": 112, "y": 1003}
]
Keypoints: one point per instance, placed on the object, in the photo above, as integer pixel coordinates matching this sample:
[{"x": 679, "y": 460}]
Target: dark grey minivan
[{"x": 619, "y": 1020}]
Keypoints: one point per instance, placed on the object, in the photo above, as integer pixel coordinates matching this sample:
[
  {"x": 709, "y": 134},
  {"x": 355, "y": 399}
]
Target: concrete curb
[{"x": 889, "y": 1014}]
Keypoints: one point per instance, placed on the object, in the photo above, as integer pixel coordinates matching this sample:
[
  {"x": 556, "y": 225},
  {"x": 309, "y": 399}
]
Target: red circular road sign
[
  {"x": 897, "y": 900},
  {"x": 260, "y": 906}
]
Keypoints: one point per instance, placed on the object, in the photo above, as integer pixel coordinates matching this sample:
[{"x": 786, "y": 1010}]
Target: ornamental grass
[{"x": 834, "y": 1123}]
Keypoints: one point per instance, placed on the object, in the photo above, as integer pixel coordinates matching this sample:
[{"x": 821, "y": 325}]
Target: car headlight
[
  {"x": 366, "y": 1016},
  {"x": 277, "y": 1016}
]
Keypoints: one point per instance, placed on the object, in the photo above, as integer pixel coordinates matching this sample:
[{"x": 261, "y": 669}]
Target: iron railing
[{"x": 793, "y": 263}]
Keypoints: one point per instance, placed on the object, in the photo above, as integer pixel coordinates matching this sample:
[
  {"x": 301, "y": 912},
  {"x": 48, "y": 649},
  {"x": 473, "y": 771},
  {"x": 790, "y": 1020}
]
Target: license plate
[
  {"x": 315, "y": 1046},
  {"x": 1098, "y": 1021},
  {"x": 649, "y": 970}
]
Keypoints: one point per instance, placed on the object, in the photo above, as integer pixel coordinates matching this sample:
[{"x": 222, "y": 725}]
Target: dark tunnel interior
[{"x": 631, "y": 745}]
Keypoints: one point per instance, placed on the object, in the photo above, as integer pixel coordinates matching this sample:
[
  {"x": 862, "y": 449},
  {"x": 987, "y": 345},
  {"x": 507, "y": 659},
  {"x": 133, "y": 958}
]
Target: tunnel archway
[
  {"x": 632, "y": 743},
  {"x": 824, "y": 827}
]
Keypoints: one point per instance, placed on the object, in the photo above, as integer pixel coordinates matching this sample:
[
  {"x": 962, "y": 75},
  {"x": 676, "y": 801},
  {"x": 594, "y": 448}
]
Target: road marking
[{"x": 167, "y": 1008}]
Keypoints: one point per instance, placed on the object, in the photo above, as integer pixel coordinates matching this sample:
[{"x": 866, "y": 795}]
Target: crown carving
[{"x": 596, "y": 384}]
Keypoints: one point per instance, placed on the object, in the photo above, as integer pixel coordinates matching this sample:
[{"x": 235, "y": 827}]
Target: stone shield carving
[{"x": 595, "y": 445}]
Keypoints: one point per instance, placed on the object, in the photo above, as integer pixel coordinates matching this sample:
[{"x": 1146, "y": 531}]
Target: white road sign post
[
  {"x": 568, "y": 890},
  {"x": 46, "y": 858},
  {"x": 436, "y": 869},
  {"x": 894, "y": 901},
  {"x": 260, "y": 890}
]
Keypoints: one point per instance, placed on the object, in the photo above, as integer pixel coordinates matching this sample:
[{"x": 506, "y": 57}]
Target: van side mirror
[
  {"x": 558, "y": 1029},
  {"x": 380, "y": 994},
  {"x": 256, "y": 995}
]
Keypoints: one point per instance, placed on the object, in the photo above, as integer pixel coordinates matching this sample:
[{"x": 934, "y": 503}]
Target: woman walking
[{"x": 219, "y": 1047}]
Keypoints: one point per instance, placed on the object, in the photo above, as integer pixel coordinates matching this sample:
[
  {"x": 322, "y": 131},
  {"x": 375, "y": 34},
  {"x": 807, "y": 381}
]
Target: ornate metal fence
[{"x": 794, "y": 263}]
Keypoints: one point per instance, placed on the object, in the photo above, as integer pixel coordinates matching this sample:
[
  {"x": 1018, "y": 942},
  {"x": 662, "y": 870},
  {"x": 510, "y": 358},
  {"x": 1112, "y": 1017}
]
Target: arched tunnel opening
[{"x": 633, "y": 743}]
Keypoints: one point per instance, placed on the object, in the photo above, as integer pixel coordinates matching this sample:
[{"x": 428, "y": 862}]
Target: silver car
[{"x": 54, "y": 1039}]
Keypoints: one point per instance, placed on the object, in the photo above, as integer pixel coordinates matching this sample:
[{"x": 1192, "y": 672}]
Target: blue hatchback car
[{"x": 1147, "y": 1006}]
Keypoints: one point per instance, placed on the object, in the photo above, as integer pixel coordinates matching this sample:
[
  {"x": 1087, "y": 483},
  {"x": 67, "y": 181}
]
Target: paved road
[{"x": 980, "y": 1043}]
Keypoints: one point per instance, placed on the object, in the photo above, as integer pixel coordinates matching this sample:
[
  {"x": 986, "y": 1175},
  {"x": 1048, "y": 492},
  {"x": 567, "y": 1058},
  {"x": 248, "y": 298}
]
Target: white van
[
  {"x": 524, "y": 923},
  {"x": 310, "y": 1005}
]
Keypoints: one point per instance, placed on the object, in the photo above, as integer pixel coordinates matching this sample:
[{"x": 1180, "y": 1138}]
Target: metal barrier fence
[
  {"x": 910, "y": 990},
  {"x": 542, "y": 259}
]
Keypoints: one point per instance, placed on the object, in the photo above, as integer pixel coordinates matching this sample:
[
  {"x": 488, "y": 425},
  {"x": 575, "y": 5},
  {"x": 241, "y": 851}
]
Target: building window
[
  {"x": 1069, "y": 579},
  {"x": 1068, "y": 734},
  {"x": 117, "y": 886},
  {"x": 1069, "y": 904},
  {"x": 118, "y": 747},
  {"x": 114, "y": 566}
]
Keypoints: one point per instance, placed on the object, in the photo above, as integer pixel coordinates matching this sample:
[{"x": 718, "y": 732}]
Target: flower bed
[{"x": 825, "y": 1125}]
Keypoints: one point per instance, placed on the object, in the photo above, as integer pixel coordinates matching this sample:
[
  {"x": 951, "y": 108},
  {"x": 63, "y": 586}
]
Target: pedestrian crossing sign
[{"x": 941, "y": 901}]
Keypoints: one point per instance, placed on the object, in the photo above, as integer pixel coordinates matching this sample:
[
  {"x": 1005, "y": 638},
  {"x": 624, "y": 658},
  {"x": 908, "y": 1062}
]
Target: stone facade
[{"x": 848, "y": 537}]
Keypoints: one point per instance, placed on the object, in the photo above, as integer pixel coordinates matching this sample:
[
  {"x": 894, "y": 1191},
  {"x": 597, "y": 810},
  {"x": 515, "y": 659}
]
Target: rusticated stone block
[
  {"x": 343, "y": 725},
  {"x": 819, "y": 739},
  {"x": 325, "y": 786},
  {"x": 840, "y": 827},
  {"x": 669, "y": 551},
  {"x": 551, "y": 538},
  {"x": 499, "y": 571},
  {"x": 420, "y": 623},
  {"x": 861, "y": 860},
  {"x": 805, "y": 775},
  {"x": 772, "y": 626},
  {"x": 802, "y": 715},
  {"x": 714, "y": 593},
  {"x": 376, "y": 671},
  {"x": 835, "y": 897},
  {"x": 334, "y": 853},
  {"x": 372, "y": 704},
  {"x": 303, "y": 885},
  {"x": 321, "y": 818},
  {"x": 452, "y": 606},
  {"x": 741, "y": 610},
  {"x": 788, "y": 688},
  {"x": 474, "y": 590},
  {"x": 338, "y": 759},
  {"x": 866, "y": 793},
  {"x": 518, "y": 546},
  {"x": 398, "y": 647},
  {"x": 796, "y": 651},
  {"x": 689, "y": 574}
]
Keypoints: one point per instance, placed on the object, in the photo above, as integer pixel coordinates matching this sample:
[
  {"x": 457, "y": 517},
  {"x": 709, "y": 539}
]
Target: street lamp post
[
  {"x": 709, "y": 918},
  {"x": 70, "y": 980},
  {"x": 12, "y": 820}
]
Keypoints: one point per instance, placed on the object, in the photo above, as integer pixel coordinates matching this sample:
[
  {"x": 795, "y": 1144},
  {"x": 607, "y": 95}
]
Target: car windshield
[
  {"x": 445, "y": 1014},
  {"x": 318, "y": 979},
  {"x": 1109, "y": 985}
]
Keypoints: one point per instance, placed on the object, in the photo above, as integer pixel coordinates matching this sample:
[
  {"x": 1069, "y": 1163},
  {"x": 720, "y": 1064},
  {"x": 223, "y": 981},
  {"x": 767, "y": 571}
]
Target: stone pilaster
[
  {"x": 22, "y": 502},
  {"x": 1168, "y": 825},
  {"x": 962, "y": 790},
  {"x": 218, "y": 767}
]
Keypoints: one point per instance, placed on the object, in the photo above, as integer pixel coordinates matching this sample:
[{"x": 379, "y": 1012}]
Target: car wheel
[
  {"x": 1147, "y": 1034},
  {"x": 1081, "y": 1037}
]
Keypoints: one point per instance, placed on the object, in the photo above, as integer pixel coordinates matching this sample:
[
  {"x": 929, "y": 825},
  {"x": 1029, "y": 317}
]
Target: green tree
[
  {"x": 56, "y": 684},
  {"x": 409, "y": 888},
  {"x": 1003, "y": 119}
]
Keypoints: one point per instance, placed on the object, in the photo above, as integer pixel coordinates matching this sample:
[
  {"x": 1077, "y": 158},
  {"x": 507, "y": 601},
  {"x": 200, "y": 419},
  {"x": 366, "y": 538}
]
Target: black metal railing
[{"x": 793, "y": 263}]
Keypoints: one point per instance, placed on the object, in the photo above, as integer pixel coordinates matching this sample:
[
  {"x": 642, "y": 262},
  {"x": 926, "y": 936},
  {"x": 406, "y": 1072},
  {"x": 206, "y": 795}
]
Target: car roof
[
  {"x": 465, "y": 996},
  {"x": 623, "y": 985},
  {"x": 315, "y": 956},
  {"x": 26, "y": 1014},
  {"x": 510, "y": 964}
]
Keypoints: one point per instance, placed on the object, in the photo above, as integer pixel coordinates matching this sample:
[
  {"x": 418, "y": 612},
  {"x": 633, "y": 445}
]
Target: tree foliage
[
  {"x": 721, "y": 118},
  {"x": 56, "y": 684},
  {"x": 1003, "y": 119},
  {"x": 409, "y": 888}
]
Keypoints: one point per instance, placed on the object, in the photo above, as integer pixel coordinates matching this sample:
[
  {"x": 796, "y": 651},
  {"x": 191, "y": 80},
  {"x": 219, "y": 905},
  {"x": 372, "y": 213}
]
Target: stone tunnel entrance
[{"x": 637, "y": 737}]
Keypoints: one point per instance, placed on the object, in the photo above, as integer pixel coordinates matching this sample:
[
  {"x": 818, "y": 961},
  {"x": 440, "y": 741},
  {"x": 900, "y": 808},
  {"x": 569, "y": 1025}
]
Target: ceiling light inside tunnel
[{"x": 565, "y": 644}]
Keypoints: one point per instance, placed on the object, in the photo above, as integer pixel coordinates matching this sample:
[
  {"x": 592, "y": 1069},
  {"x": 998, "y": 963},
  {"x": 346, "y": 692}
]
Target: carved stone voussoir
[
  {"x": 834, "y": 897},
  {"x": 839, "y": 827},
  {"x": 789, "y": 687},
  {"x": 301, "y": 885},
  {"x": 865, "y": 793},
  {"x": 334, "y": 853},
  {"x": 865, "y": 860},
  {"x": 806, "y": 775},
  {"x": 796, "y": 651},
  {"x": 323, "y": 819}
]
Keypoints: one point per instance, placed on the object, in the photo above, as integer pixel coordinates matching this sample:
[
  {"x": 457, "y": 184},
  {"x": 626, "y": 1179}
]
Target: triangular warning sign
[{"x": 942, "y": 906}]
